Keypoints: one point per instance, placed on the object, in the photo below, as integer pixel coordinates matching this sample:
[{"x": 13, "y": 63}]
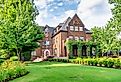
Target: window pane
[
  {"x": 71, "y": 28},
  {"x": 76, "y": 28},
  {"x": 81, "y": 28}
]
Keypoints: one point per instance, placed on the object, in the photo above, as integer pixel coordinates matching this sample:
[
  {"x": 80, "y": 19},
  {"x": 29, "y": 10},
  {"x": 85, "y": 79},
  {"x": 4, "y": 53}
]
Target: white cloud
[
  {"x": 88, "y": 12},
  {"x": 60, "y": 4},
  {"x": 41, "y": 3},
  {"x": 51, "y": 10}
]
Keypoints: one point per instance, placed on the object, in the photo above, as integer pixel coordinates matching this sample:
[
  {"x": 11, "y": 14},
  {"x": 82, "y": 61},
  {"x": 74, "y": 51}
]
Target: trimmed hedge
[
  {"x": 100, "y": 62},
  {"x": 11, "y": 69}
]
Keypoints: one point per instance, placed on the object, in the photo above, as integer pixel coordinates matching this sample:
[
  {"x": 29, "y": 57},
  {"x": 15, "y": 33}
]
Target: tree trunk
[{"x": 18, "y": 52}]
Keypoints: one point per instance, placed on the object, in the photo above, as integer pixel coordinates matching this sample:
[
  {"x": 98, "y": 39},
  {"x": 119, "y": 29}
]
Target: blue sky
[{"x": 91, "y": 12}]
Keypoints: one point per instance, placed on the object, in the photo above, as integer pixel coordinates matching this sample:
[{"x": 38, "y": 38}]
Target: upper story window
[
  {"x": 80, "y": 28},
  {"x": 76, "y": 38},
  {"x": 76, "y": 28},
  {"x": 70, "y": 37},
  {"x": 71, "y": 28},
  {"x": 81, "y": 38}
]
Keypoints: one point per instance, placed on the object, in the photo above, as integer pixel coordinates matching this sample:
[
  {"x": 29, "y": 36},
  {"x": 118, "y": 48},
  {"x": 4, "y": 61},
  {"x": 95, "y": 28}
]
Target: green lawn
[{"x": 65, "y": 72}]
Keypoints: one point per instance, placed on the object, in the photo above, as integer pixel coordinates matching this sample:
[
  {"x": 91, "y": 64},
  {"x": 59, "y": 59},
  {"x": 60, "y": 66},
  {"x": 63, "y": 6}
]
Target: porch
[{"x": 81, "y": 48}]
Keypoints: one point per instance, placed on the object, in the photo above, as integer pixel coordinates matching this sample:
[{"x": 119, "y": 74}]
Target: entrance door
[{"x": 46, "y": 53}]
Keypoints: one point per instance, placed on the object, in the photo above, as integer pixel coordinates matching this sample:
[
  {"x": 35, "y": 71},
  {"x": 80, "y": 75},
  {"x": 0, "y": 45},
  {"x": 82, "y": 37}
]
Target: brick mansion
[{"x": 55, "y": 37}]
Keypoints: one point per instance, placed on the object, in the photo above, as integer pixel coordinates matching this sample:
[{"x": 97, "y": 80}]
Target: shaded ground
[{"x": 63, "y": 72}]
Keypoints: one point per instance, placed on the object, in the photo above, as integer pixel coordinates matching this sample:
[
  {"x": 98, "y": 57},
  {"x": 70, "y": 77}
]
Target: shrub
[
  {"x": 117, "y": 63},
  {"x": 14, "y": 58},
  {"x": 11, "y": 69},
  {"x": 1, "y": 61},
  {"x": 100, "y": 61},
  {"x": 105, "y": 62},
  {"x": 95, "y": 62},
  {"x": 110, "y": 62}
]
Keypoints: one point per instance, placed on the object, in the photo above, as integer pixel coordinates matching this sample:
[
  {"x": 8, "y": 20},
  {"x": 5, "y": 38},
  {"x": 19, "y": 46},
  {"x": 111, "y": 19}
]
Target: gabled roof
[
  {"x": 76, "y": 16},
  {"x": 65, "y": 24},
  {"x": 49, "y": 29}
]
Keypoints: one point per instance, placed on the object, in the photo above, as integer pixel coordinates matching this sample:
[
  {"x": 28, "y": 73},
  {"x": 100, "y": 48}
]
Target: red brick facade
[{"x": 55, "y": 38}]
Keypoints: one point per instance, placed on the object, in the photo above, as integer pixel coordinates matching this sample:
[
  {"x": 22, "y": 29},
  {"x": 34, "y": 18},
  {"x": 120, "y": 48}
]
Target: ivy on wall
[{"x": 79, "y": 43}]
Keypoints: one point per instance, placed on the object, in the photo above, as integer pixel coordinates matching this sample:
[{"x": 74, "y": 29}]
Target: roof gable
[{"x": 76, "y": 21}]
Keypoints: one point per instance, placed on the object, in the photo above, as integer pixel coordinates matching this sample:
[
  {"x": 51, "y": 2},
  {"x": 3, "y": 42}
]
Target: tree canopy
[
  {"x": 107, "y": 36},
  {"x": 18, "y": 30}
]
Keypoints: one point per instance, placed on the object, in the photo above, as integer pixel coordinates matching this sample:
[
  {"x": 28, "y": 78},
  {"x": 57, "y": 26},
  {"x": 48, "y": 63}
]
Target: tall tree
[
  {"x": 107, "y": 35},
  {"x": 18, "y": 30}
]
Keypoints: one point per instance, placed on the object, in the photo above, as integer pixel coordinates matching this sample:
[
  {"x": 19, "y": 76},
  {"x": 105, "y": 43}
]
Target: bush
[
  {"x": 117, "y": 63},
  {"x": 110, "y": 63},
  {"x": 11, "y": 69},
  {"x": 105, "y": 62},
  {"x": 95, "y": 62},
  {"x": 14, "y": 58},
  {"x": 1, "y": 61},
  {"x": 100, "y": 61}
]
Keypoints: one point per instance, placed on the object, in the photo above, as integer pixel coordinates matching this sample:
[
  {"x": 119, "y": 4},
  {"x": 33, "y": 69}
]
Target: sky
[{"x": 91, "y": 12}]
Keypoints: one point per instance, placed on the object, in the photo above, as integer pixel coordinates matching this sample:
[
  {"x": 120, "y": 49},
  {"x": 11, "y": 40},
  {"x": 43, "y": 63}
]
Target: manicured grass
[{"x": 66, "y": 72}]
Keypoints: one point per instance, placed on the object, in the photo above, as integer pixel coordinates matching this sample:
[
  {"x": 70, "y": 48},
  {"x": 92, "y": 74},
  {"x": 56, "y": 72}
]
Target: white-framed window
[
  {"x": 80, "y": 28},
  {"x": 76, "y": 38},
  {"x": 76, "y": 28},
  {"x": 46, "y": 43},
  {"x": 70, "y": 37},
  {"x": 33, "y": 53},
  {"x": 71, "y": 28},
  {"x": 82, "y": 38}
]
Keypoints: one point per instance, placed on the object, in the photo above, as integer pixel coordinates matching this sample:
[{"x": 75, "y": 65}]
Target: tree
[
  {"x": 106, "y": 36},
  {"x": 18, "y": 30}
]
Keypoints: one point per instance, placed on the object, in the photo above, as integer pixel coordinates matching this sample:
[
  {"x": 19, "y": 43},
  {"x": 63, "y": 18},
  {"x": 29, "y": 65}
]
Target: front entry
[{"x": 46, "y": 53}]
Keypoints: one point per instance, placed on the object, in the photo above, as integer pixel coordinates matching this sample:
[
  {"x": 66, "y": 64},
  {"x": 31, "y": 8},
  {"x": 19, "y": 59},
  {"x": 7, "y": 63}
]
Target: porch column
[
  {"x": 96, "y": 52},
  {"x": 79, "y": 50},
  {"x": 87, "y": 50}
]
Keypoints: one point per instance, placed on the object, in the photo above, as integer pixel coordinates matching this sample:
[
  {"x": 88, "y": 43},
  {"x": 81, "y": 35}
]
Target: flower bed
[{"x": 11, "y": 69}]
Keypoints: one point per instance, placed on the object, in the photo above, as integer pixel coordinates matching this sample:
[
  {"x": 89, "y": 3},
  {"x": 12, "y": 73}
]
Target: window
[
  {"x": 46, "y": 43},
  {"x": 81, "y": 28},
  {"x": 76, "y": 28},
  {"x": 71, "y": 28},
  {"x": 76, "y": 38},
  {"x": 82, "y": 38},
  {"x": 70, "y": 37}
]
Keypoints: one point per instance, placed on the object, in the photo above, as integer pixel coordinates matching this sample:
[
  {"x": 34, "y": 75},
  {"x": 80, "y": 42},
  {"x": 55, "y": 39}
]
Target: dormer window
[
  {"x": 80, "y": 28},
  {"x": 72, "y": 28}
]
